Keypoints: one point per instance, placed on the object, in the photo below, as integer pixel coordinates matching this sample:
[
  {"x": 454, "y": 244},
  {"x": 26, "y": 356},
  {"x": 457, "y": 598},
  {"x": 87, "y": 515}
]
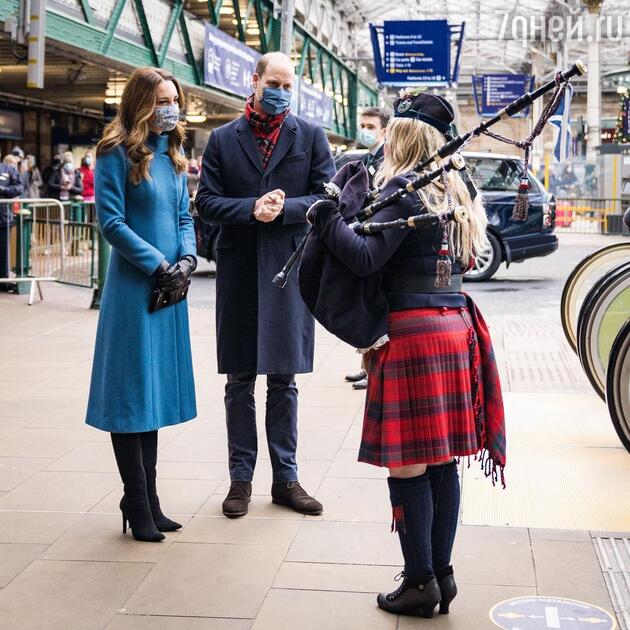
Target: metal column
[
  {"x": 286, "y": 21},
  {"x": 593, "y": 96}
]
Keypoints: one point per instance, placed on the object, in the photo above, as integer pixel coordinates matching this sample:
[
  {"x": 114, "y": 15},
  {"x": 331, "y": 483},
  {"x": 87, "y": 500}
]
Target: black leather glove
[
  {"x": 176, "y": 277},
  {"x": 320, "y": 214}
]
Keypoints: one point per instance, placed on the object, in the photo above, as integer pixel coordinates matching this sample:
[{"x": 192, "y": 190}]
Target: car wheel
[{"x": 487, "y": 262}]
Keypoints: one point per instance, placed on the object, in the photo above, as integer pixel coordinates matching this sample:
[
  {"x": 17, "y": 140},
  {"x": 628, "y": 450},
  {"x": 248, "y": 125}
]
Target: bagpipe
[
  {"x": 356, "y": 309},
  {"x": 371, "y": 204}
]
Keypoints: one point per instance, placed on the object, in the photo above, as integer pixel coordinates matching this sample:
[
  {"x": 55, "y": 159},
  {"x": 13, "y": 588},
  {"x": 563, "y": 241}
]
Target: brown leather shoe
[
  {"x": 294, "y": 496},
  {"x": 237, "y": 501}
]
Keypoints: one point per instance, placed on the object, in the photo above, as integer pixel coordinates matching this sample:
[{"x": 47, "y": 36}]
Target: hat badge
[{"x": 405, "y": 105}]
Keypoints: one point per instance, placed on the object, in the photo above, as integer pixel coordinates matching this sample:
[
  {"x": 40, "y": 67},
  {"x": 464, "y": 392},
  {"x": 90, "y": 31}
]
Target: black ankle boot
[
  {"x": 448, "y": 588},
  {"x": 149, "y": 460},
  {"x": 135, "y": 504},
  {"x": 415, "y": 596}
]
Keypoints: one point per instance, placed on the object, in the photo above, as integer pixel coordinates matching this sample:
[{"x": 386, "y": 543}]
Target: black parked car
[{"x": 498, "y": 178}]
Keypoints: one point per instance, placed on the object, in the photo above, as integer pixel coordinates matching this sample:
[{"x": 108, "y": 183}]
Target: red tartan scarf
[
  {"x": 489, "y": 404},
  {"x": 266, "y": 129}
]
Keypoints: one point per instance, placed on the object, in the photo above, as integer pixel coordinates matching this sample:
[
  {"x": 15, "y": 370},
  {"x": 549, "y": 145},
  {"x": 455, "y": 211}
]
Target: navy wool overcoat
[{"x": 260, "y": 328}]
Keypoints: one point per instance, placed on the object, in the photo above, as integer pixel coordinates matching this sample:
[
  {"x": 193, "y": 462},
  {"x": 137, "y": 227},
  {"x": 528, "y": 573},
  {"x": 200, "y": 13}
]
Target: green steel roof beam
[
  {"x": 170, "y": 28},
  {"x": 112, "y": 24},
  {"x": 239, "y": 20},
  {"x": 197, "y": 74},
  {"x": 306, "y": 42},
  {"x": 261, "y": 26},
  {"x": 87, "y": 12},
  {"x": 146, "y": 30}
]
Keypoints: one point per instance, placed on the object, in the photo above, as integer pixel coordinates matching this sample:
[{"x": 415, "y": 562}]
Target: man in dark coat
[
  {"x": 260, "y": 175},
  {"x": 10, "y": 187}
]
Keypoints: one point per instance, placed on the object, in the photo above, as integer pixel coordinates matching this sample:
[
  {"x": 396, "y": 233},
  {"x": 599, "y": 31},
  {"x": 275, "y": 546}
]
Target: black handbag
[{"x": 161, "y": 298}]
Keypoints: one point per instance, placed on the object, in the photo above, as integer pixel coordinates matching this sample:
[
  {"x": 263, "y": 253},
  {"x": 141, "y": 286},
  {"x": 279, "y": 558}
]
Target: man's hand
[{"x": 269, "y": 206}]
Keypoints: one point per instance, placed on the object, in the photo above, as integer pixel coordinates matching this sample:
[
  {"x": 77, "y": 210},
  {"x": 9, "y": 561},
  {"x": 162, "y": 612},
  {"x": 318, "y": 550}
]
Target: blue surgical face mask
[
  {"x": 88, "y": 160},
  {"x": 166, "y": 117},
  {"x": 367, "y": 138},
  {"x": 275, "y": 100},
  {"x": 68, "y": 167}
]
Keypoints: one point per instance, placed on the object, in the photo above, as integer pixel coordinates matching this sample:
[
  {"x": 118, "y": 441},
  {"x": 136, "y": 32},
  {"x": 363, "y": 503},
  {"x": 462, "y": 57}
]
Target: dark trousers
[
  {"x": 4, "y": 251},
  {"x": 280, "y": 424}
]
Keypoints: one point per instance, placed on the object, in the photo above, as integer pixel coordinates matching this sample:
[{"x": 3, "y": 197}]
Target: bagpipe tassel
[
  {"x": 521, "y": 205},
  {"x": 444, "y": 268}
]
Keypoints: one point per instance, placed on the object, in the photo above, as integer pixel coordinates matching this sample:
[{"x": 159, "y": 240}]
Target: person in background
[
  {"x": 372, "y": 124},
  {"x": 193, "y": 177},
  {"x": 35, "y": 181},
  {"x": 10, "y": 188},
  {"x": 65, "y": 181},
  {"x": 54, "y": 164},
  {"x": 261, "y": 173},
  {"x": 87, "y": 175}
]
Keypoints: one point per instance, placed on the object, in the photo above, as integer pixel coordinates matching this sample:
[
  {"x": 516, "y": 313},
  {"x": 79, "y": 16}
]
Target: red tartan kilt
[{"x": 421, "y": 385}]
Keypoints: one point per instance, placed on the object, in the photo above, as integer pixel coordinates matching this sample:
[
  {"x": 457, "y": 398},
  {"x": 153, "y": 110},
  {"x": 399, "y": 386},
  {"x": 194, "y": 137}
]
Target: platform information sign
[
  {"x": 417, "y": 52},
  {"x": 494, "y": 91},
  {"x": 539, "y": 613},
  {"x": 228, "y": 63},
  {"x": 314, "y": 105}
]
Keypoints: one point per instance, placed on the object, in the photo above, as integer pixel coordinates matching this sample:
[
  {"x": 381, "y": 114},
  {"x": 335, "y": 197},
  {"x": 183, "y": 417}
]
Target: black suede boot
[
  {"x": 412, "y": 507},
  {"x": 135, "y": 504},
  {"x": 445, "y": 491},
  {"x": 149, "y": 461}
]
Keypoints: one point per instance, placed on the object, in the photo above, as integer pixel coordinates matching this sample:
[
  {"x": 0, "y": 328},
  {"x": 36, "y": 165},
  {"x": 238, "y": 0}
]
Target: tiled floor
[{"x": 64, "y": 563}]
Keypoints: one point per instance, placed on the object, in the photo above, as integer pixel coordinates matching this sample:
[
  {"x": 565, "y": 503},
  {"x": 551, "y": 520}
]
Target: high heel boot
[
  {"x": 134, "y": 505},
  {"x": 149, "y": 460},
  {"x": 415, "y": 596},
  {"x": 448, "y": 588}
]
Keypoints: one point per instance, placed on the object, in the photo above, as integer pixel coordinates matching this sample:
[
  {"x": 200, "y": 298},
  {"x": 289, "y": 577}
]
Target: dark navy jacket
[
  {"x": 10, "y": 187},
  {"x": 260, "y": 328}
]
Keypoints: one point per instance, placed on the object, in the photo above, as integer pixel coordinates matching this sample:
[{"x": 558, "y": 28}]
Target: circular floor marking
[{"x": 541, "y": 613}]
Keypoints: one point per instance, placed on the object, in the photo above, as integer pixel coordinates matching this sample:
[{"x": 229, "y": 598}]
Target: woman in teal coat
[{"x": 142, "y": 377}]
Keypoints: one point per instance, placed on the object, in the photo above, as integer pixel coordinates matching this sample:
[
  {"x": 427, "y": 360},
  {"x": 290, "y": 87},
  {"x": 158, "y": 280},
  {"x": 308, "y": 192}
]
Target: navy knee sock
[
  {"x": 412, "y": 506},
  {"x": 445, "y": 491}
]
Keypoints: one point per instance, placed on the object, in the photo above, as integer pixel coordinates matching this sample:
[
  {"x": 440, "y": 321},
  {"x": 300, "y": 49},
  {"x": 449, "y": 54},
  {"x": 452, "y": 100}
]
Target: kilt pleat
[{"x": 420, "y": 405}]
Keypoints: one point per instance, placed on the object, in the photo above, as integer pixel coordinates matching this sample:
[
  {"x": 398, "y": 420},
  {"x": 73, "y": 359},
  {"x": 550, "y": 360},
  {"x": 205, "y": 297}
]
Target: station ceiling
[{"x": 490, "y": 44}]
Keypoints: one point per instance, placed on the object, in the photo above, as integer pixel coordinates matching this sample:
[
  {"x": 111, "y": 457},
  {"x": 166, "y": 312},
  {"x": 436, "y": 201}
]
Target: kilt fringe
[{"x": 398, "y": 519}]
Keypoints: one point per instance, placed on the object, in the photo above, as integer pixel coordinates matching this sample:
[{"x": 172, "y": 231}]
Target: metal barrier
[
  {"x": 584, "y": 215},
  {"x": 37, "y": 243}
]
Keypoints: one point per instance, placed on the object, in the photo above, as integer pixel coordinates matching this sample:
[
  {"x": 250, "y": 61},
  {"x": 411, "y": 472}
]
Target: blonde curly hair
[{"x": 409, "y": 142}]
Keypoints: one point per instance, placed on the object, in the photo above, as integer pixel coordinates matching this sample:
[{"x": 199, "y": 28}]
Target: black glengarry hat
[{"x": 429, "y": 108}]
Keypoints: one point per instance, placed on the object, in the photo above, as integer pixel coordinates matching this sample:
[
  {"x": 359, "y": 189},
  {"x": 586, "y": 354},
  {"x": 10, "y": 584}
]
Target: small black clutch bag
[{"x": 161, "y": 298}]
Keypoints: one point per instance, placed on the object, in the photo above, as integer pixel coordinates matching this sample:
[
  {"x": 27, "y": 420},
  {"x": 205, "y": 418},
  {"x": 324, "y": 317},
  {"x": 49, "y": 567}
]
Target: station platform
[{"x": 559, "y": 529}]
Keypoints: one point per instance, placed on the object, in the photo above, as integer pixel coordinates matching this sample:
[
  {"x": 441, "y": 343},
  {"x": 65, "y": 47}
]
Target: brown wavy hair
[{"x": 130, "y": 127}]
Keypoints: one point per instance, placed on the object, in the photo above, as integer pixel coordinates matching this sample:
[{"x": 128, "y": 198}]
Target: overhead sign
[
  {"x": 314, "y": 105},
  {"x": 415, "y": 52},
  {"x": 493, "y": 92},
  {"x": 228, "y": 63},
  {"x": 539, "y": 613}
]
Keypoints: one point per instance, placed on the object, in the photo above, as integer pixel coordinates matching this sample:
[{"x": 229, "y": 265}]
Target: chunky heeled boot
[
  {"x": 135, "y": 504},
  {"x": 415, "y": 596},
  {"x": 448, "y": 588},
  {"x": 149, "y": 461}
]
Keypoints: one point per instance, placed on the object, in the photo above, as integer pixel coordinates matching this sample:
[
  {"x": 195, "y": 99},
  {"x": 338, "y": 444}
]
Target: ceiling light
[
  {"x": 226, "y": 11},
  {"x": 113, "y": 100},
  {"x": 196, "y": 118}
]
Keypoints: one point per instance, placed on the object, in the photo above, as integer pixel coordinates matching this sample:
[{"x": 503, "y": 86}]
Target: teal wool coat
[{"x": 142, "y": 377}]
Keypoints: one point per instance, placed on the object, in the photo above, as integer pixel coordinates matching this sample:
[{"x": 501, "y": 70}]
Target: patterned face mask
[{"x": 166, "y": 117}]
